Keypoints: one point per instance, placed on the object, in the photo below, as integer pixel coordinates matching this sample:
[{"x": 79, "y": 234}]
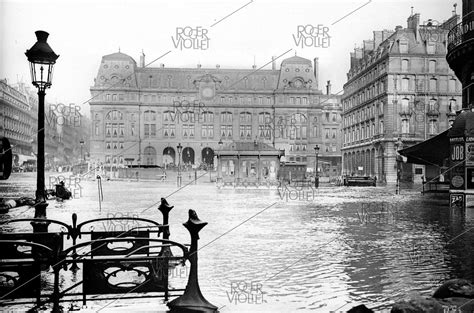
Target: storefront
[{"x": 248, "y": 164}]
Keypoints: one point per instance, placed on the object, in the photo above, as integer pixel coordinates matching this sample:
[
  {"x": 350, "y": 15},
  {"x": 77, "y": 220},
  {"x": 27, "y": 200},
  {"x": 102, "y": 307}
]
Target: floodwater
[{"x": 323, "y": 250}]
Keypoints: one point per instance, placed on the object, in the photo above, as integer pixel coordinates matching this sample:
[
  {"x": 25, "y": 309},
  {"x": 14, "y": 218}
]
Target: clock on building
[{"x": 207, "y": 92}]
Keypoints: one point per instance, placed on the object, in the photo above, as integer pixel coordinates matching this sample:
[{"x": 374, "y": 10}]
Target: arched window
[
  {"x": 433, "y": 84},
  {"x": 207, "y": 128},
  {"x": 405, "y": 105},
  {"x": 226, "y": 118},
  {"x": 149, "y": 116},
  {"x": 245, "y": 127},
  {"x": 265, "y": 125},
  {"x": 150, "y": 123},
  {"x": 226, "y": 125},
  {"x": 405, "y": 65},
  {"x": 432, "y": 105},
  {"x": 114, "y": 115},
  {"x": 405, "y": 126},
  {"x": 432, "y": 66},
  {"x": 114, "y": 126},
  {"x": 405, "y": 84}
]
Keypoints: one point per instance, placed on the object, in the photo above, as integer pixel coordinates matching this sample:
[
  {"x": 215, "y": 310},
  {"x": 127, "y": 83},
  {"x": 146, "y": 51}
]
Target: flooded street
[{"x": 327, "y": 251}]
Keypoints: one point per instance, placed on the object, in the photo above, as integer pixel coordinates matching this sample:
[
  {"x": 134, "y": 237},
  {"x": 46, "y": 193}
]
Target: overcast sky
[{"x": 81, "y": 32}]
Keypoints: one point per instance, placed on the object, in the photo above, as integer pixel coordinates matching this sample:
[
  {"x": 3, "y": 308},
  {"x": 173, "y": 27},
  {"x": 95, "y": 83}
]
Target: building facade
[
  {"x": 461, "y": 52},
  {"x": 141, "y": 113},
  {"x": 400, "y": 91}
]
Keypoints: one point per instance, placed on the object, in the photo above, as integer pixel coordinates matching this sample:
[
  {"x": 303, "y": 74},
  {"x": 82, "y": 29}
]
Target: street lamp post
[
  {"x": 219, "y": 165},
  {"x": 82, "y": 146},
  {"x": 316, "y": 175},
  {"x": 180, "y": 149},
  {"x": 398, "y": 146},
  {"x": 42, "y": 59}
]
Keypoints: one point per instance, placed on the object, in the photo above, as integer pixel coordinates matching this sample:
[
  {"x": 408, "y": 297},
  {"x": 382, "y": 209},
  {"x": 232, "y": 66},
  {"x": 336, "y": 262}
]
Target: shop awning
[{"x": 432, "y": 151}]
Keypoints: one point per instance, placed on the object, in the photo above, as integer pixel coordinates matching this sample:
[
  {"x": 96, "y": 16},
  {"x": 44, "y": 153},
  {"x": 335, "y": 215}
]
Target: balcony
[{"x": 462, "y": 32}]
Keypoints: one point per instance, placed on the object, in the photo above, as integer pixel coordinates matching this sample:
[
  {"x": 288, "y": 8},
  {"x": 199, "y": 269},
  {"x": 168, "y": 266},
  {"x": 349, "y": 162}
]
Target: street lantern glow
[
  {"x": 42, "y": 59},
  {"x": 316, "y": 171}
]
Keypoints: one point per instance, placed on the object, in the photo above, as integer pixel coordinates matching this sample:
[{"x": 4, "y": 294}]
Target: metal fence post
[
  {"x": 192, "y": 299},
  {"x": 165, "y": 209}
]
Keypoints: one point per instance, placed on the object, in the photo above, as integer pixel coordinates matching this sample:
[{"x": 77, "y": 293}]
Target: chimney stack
[
  {"x": 273, "y": 63},
  {"x": 142, "y": 59},
  {"x": 162, "y": 65},
  {"x": 199, "y": 66},
  {"x": 328, "y": 88},
  {"x": 316, "y": 73},
  {"x": 254, "y": 66},
  {"x": 218, "y": 66}
]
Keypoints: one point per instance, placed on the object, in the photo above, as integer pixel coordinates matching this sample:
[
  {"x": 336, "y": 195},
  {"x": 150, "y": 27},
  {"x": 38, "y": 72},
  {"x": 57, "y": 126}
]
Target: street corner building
[
  {"x": 19, "y": 123},
  {"x": 140, "y": 114},
  {"x": 399, "y": 92}
]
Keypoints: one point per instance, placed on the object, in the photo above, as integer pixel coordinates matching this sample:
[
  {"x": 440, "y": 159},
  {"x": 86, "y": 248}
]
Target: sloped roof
[
  {"x": 296, "y": 60},
  {"x": 118, "y": 56}
]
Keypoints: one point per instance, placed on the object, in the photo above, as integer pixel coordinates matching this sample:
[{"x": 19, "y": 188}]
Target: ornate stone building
[
  {"x": 141, "y": 113},
  {"x": 15, "y": 121},
  {"x": 400, "y": 91}
]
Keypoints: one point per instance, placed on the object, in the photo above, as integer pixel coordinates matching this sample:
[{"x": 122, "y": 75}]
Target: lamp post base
[{"x": 40, "y": 213}]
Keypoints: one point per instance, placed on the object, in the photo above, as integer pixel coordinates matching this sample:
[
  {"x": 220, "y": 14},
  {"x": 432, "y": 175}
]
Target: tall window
[
  {"x": 226, "y": 125},
  {"x": 169, "y": 130},
  {"x": 405, "y": 84},
  {"x": 188, "y": 131},
  {"x": 403, "y": 44},
  {"x": 433, "y": 84},
  {"x": 169, "y": 127},
  {"x": 226, "y": 118},
  {"x": 452, "y": 85},
  {"x": 207, "y": 128},
  {"x": 452, "y": 106},
  {"x": 432, "y": 66},
  {"x": 245, "y": 127},
  {"x": 264, "y": 125},
  {"x": 432, "y": 105},
  {"x": 405, "y": 105},
  {"x": 405, "y": 65},
  {"x": 150, "y": 123},
  {"x": 433, "y": 127},
  {"x": 114, "y": 126},
  {"x": 298, "y": 126},
  {"x": 405, "y": 126}
]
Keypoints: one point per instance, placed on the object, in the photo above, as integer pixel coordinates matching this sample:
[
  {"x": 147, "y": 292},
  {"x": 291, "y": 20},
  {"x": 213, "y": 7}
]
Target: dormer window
[{"x": 403, "y": 45}]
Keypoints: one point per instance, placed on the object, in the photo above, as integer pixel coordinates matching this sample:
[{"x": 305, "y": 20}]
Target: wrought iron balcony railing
[{"x": 462, "y": 32}]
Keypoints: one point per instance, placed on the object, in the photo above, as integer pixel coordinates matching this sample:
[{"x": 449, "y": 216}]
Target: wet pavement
[{"x": 322, "y": 250}]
